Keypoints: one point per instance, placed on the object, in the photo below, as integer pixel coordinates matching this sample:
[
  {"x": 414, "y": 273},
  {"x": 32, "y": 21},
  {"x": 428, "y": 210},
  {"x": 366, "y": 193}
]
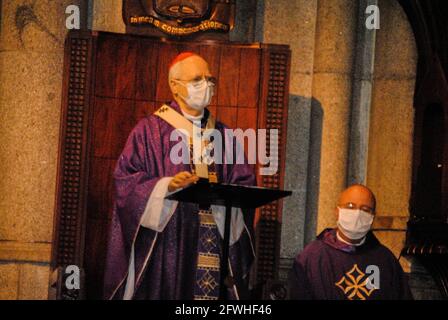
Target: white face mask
[
  {"x": 200, "y": 94},
  {"x": 354, "y": 223}
]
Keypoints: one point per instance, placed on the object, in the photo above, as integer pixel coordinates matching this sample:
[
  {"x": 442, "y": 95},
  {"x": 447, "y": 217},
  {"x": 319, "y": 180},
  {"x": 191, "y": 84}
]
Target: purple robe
[
  {"x": 328, "y": 269},
  {"x": 165, "y": 262}
]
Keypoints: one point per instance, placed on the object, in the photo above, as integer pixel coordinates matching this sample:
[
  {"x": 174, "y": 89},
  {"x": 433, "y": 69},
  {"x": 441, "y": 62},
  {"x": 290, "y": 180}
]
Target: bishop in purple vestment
[{"x": 155, "y": 243}]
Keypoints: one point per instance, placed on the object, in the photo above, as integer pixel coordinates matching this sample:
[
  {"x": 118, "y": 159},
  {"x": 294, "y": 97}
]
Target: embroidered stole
[{"x": 209, "y": 245}]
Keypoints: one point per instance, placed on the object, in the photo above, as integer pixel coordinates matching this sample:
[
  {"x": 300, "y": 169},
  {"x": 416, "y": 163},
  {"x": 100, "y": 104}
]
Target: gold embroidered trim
[
  {"x": 206, "y": 219},
  {"x": 196, "y": 297},
  {"x": 208, "y": 261},
  {"x": 212, "y": 177}
]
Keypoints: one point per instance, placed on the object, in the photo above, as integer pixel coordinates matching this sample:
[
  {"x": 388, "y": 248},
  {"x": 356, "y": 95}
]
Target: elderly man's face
[
  {"x": 191, "y": 69},
  {"x": 357, "y": 197}
]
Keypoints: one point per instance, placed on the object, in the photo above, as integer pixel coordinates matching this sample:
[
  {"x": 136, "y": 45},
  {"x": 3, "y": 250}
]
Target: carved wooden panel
[
  {"x": 180, "y": 18},
  {"x": 73, "y": 161},
  {"x": 112, "y": 81},
  {"x": 273, "y": 115}
]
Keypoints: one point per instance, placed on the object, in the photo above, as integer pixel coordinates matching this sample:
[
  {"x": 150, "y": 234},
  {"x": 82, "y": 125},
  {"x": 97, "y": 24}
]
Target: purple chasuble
[
  {"x": 165, "y": 262},
  {"x": 328, "y": 269}
]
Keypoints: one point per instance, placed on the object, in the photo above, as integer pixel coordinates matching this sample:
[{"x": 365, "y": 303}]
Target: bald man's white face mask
[
  {"x": 200, "y": 94},
  {"x": 354, "y": 223}
]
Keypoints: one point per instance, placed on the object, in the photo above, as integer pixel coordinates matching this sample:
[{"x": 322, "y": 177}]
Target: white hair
[{"x": 175, "y": 70}]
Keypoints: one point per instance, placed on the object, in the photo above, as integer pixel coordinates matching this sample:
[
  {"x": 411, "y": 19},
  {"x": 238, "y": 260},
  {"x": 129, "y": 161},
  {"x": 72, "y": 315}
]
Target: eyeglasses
[
  {"x": 351, "y": 205},
  {"x": 199, "y": 81}
]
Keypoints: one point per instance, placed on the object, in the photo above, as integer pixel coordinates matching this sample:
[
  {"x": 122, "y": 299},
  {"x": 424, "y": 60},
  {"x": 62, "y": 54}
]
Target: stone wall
[
  {"x": 31, "y": 57},
  {"x": 325, "y": 42}
]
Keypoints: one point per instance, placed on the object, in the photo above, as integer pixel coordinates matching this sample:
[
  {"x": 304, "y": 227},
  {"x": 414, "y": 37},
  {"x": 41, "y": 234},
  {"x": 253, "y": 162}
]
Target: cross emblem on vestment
[{"x": 354, "y": 284}]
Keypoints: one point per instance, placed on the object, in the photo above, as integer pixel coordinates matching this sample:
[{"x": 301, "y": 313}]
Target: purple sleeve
[
  {"x": 242, "y": 174},
  {"x": 299, "y": 287},
  {"x": 136, "y": 173},
  {"x": 241, "y": 252},
  {"x": 135, "y": 176}
]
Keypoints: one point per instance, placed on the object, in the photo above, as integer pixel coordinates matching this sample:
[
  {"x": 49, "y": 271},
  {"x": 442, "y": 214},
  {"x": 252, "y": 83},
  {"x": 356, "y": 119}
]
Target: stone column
[
  {"x": 293, "y": 23},
  {"x": 389, "y": 168},
  {"x": 332, "y": 88},
  {"x": 31, "y": 58},
  {"x": 362, "y": 97}
]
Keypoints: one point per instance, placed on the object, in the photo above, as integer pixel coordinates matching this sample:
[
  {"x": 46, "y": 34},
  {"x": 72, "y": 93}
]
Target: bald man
[
  {"x": 348, "y": 262},
  {"x": 159, "y": 248}
]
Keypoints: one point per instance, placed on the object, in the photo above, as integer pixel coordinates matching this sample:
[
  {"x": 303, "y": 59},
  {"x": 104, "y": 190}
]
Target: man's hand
[{"x": 181, "y": 180}]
